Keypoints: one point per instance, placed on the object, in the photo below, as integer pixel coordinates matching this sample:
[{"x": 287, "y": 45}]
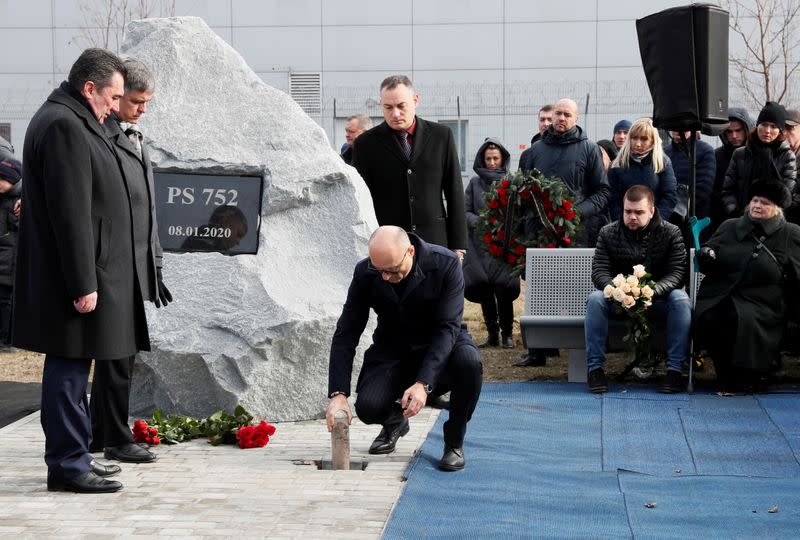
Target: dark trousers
[
  {"x": 111, "y": 390},
  {"x": 65, "y": 415},
  {"x": 497, "y": 305},
  {"x": 382, "y": 384},
  {"x": 6, "y": 292}
]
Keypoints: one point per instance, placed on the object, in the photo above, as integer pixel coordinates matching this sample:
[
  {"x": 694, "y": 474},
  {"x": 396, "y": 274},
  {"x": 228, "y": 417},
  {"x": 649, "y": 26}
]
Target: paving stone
[{"x": 198, "y": 490}]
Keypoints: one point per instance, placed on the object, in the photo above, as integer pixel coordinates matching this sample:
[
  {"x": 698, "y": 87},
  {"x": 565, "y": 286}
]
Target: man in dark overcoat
[
  {"x": 75, "y": 294},
  {"x": 111, "y": 385},
  {"x": 420, "y": 346},
  {"x": 408, "y": 164}
]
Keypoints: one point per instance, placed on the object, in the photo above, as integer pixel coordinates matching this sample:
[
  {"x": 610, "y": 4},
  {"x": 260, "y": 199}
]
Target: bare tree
[
  {"x": 105, "y": 20},
  {"x": 768, "y": 65}
]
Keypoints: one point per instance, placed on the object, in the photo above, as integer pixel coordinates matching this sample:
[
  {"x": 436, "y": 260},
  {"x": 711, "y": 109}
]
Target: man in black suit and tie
[
  {"x": 421, "y": 343},
  {"x": 408, "y": 164},
  {"x": 111, "y": 386}
]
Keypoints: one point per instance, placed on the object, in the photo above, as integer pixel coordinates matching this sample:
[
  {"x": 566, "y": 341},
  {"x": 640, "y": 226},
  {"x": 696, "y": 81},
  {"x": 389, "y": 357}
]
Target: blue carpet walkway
[{"x": 549, "y": 460}]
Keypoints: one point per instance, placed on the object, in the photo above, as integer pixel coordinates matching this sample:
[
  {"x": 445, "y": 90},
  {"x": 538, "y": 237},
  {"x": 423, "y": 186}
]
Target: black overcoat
[
  {"x": 408, "y": 194},
  {"x": 761, "y": 289},
  {"x": 75, "y": 238},
  {"x": 422, "y": 325},
  {"x": 138, "y": 174}
]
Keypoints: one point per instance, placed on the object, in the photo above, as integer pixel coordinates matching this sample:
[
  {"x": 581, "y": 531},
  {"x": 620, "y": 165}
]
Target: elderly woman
[
  {"x": 484, "y": 281},
  {"x": 641, "y": 161},
  {"x": 766, "y": 154},
  {"x": 751, "y": 266}
]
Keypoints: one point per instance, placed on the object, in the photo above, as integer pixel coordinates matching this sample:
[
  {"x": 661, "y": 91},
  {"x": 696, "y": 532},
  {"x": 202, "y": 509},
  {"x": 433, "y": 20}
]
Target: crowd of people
[{"x": 86, "y": 265}]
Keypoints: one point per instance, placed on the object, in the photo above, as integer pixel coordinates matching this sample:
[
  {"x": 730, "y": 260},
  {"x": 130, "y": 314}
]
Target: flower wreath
[{"x": 524, "y": 210}]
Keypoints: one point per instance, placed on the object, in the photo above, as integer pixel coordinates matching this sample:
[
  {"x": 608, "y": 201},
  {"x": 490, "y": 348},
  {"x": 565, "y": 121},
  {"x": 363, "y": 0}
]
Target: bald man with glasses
[{"x": 421, "y": 346}]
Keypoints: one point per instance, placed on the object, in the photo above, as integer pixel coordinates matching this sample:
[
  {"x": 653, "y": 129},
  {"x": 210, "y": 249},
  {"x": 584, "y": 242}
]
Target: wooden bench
[{"x": 557, "y": 284}]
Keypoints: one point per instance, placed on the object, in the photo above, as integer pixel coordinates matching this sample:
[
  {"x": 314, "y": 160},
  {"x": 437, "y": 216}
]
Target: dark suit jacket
[
  {"x": 409, "y": 193},
  {"x": 75, "y": 238},
  {"x": 139, "y": 177},
  {"x": 423, "y": 324}
]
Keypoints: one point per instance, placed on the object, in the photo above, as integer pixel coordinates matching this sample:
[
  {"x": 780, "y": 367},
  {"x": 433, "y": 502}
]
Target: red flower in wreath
[
  {"x": 487, "y": 238},
  {"x": 494, "y": 203},
  {"x": 501, "y": 235},
  {"x": 519, "y": 250},
  {"x": 511, "y": 259},
  {"x": 566, "y": 240},
  {"x": 567, "y": 204},
  {"x": 570, "y": 215},
  {"x": 506, "y": 184}
]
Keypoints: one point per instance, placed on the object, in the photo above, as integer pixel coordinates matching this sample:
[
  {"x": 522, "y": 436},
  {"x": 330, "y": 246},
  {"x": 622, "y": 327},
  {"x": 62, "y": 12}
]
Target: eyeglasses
[{"x": 393, "y": 272}]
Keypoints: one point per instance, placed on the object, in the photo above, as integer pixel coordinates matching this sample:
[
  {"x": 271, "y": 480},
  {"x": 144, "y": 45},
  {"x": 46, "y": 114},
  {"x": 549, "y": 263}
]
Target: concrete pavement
[{"x": 197, "y": 490}]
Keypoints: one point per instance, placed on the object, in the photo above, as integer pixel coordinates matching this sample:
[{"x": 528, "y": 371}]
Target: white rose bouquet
[{"x": 633, "y": 294}]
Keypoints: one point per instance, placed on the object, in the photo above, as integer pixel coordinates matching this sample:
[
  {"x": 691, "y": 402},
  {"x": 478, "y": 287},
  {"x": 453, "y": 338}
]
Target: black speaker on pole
[{"x": 685, "y": 57}]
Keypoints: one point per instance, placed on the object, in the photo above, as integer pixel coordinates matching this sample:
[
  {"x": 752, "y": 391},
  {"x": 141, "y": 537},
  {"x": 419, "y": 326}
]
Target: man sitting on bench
[{"x": 641, "y": 237}]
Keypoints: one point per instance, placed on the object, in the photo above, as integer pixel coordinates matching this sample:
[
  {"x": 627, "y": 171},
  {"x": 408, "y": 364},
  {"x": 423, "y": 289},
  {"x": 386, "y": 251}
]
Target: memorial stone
[{"x": 249, "y": 329}]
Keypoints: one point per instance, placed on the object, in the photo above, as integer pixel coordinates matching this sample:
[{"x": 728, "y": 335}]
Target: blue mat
[{"x": 550, "y": 460}]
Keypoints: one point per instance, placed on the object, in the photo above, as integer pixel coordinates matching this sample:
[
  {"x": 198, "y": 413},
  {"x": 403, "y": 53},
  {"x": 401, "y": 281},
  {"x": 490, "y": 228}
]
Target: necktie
[
  {"x": 133, "y": 133},
  {"x": 405, "y": 144}
]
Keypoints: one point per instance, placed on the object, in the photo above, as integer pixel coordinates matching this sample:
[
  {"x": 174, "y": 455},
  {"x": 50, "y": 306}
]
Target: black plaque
[{"x": 208, "y": 212}]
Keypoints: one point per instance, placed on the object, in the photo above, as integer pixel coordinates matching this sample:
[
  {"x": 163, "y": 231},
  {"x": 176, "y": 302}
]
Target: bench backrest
[{"x": 558, "y": 281}]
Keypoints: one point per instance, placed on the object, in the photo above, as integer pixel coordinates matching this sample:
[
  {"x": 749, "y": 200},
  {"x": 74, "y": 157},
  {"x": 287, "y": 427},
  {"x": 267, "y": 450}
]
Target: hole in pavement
[{"x": 327, "y": 464}]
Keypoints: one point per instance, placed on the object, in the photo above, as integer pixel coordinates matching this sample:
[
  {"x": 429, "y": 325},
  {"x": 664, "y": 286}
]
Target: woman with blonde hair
[{"x": 641, "y": 161}]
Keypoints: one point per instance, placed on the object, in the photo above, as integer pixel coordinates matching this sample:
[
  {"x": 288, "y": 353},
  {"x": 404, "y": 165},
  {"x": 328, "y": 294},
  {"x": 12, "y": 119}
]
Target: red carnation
[
  {"x": 567, "y": 204},
  {"x": 570, "y": 215},
  {"x": 511, "y": 259},
  {"x": 551, "y": 245},
  {"x": 519, "y": 250},
  {"x": 494, "y": 203},
  {"x": 550, "y": 216},
  {"x": 492, "y": 220},
  {"x": 506, "y": 184},
  {"x": 560, "y": 211},
  {"x": 501, "y": 235},
  {"x": 156, "y": 440},
  {"x": 501, "y": 193},
  {"x": 525, "y": 194},
  {"x": 487, "y": 238},
  {"x": 567, "y": 241}
]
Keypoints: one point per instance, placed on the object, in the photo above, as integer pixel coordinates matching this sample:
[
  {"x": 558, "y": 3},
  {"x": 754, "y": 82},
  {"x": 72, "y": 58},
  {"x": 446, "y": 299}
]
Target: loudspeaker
[{"x": 685, "y": 57}]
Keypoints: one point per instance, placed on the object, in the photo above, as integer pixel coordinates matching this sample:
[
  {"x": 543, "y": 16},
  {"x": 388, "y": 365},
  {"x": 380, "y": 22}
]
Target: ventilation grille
[{"x": 305, "y": 90}]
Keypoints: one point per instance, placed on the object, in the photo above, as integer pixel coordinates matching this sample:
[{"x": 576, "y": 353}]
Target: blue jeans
[{"x": 675, "y": 308}]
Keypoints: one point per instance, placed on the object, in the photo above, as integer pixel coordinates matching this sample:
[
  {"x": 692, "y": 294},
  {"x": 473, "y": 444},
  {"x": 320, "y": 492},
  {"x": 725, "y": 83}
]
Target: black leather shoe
[
  {"x": 103, "y": 469},
  {"x": 597, "y": 381},
  {"x": 386, "y": 440},
  {"x": 129, "y": 453},
  {"x": 452, "y": 460},
  {"x": 492, "y": 340},
  {"x": 439, "y": 402},
  {"x": 508, "y": 342},
  {"x": 532, "y": 358},
  {"x": 672, "y": 383},
  {"x": 87, "y": 482}
]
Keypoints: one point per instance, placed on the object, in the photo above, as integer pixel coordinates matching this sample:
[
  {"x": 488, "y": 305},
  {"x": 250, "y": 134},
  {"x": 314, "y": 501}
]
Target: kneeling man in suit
[{"x": 420, "y": 345}]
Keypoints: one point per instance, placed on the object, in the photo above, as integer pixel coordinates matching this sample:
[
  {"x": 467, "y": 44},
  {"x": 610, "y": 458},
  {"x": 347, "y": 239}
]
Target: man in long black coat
[
  {"x": 75, "y": 293},
  {"x": 111, "y": 384},
  {"x": 420, "y": 345},
  {"x": 408, "y": 164}
]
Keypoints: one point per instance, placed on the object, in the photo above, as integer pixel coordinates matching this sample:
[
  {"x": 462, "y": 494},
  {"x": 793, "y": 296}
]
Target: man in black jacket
[
  {"x": 75, "y": 292},
  {"x": 564, "y": 151},
  {"x": 112, "y": 378},
  {"x": 732, "y": 138},
  {"x": 408, "y": 164},
  {"x": 420, "y": 346},
  {"x": 641, "y": 238}
]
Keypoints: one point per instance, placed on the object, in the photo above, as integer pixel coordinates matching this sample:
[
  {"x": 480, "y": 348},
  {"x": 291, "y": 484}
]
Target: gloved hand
[
  {"x": 163, "y": 296},
  {"x": 706, "y": 254}
]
